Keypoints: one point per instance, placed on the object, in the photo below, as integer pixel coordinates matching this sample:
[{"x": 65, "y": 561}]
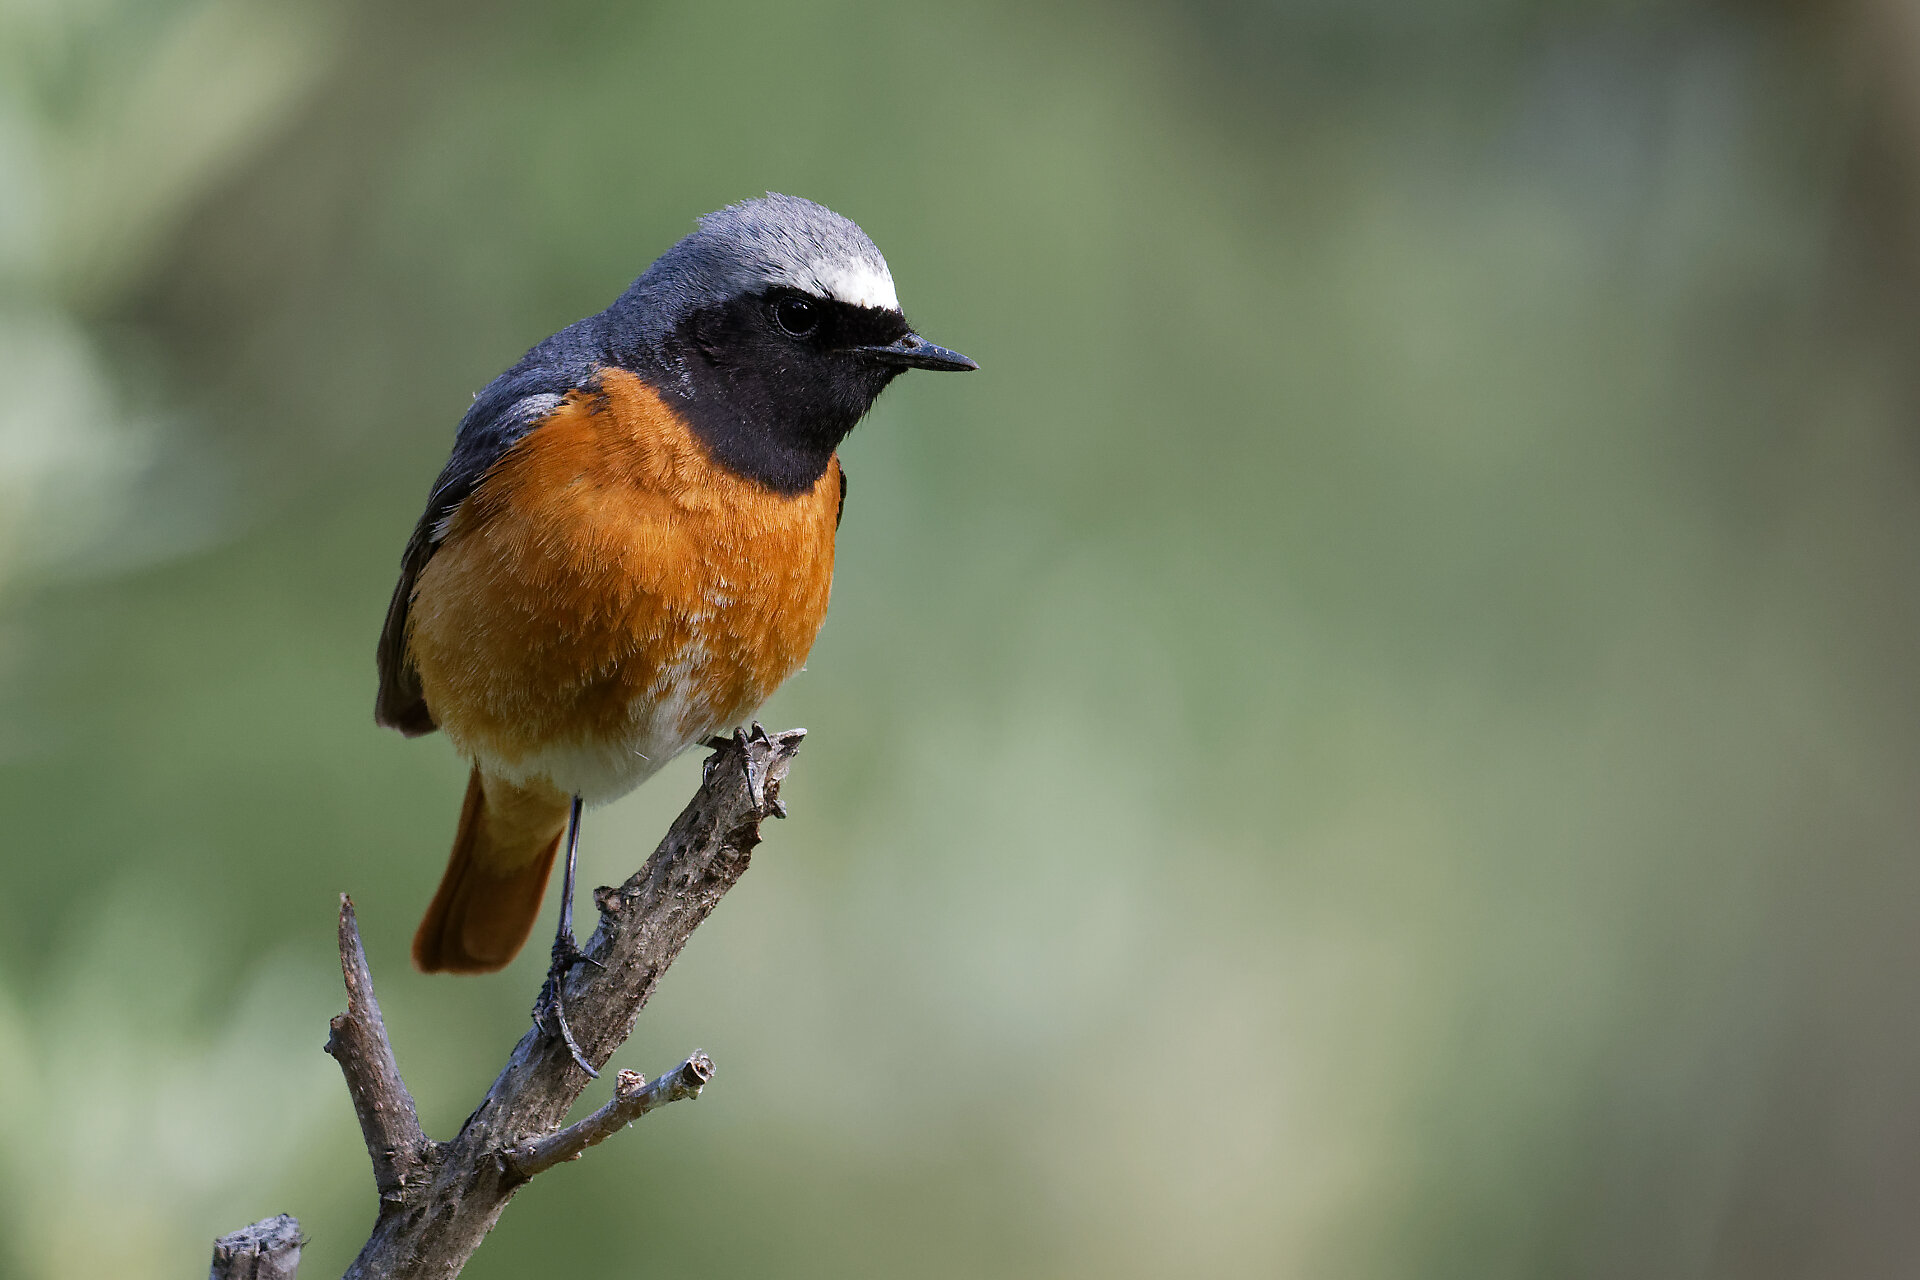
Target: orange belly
[{"x": 609, "y": 596}]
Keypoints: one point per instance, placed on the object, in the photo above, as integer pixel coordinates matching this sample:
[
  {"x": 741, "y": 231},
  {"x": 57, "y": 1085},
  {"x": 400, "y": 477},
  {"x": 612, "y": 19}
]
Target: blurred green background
[{"x": 1378, "y": 737}]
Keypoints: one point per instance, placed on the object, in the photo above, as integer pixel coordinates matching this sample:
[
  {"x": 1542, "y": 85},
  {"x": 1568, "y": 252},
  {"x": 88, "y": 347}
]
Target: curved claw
[
  {"x": 566, "y": 1034},
  {"x": 756, "y": 780},
  {"x": 550, "y": 1008},
  {"x": 756, "y": 784}
]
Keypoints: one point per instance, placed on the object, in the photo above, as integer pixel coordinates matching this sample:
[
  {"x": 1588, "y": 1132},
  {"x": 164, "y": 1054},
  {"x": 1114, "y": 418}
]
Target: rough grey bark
[
  {"x": 438, "y": 1200},
  {"x": 267, "y": 1250},
  {"x": 388, "y": 1122}
]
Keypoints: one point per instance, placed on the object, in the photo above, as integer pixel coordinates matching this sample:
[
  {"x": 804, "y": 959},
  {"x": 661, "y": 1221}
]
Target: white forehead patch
[
  {"x": 861, "y": 284},
  {"x": 775, "y": 242}
]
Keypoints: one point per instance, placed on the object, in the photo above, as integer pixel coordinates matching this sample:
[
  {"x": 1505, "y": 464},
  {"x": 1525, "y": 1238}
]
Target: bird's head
[{"x": 772, "y": 329}]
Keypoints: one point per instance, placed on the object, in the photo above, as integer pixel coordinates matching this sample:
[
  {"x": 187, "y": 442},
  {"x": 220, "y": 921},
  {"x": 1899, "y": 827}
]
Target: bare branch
[
  {"x": 632, "y": 1098},
  {"x": 439, "y": 1200},
  {"x": 399, "y": 1150},
  {"x": 267, "y": 1250}
]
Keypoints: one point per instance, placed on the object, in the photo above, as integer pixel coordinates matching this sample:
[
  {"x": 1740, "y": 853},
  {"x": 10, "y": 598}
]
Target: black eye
[{"x": 796, "y": 316}]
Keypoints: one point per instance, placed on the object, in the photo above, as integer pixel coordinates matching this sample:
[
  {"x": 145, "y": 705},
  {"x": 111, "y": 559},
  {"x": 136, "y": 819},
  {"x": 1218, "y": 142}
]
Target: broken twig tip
[{"x": 266, "y": 1250}]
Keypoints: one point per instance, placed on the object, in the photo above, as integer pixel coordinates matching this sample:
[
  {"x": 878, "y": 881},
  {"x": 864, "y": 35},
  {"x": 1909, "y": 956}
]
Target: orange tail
[{"x": 491, "y": 891}]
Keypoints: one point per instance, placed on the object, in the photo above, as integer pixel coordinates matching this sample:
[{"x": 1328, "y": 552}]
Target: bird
[{"x": 631, "y": 547}]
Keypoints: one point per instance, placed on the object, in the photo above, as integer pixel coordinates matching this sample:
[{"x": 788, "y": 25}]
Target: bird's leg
[{"x": 550, "y": 1009}]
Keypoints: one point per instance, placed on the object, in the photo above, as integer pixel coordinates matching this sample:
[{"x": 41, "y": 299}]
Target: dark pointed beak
[{"x": 915, "y": 352}]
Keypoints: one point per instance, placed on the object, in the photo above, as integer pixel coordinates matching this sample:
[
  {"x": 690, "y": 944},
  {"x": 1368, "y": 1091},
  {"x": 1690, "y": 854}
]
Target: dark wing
[
  {"x": 400, "y": 703},
  {"x": 516, "y": 403},
  {"x": 841, "y": 510}
]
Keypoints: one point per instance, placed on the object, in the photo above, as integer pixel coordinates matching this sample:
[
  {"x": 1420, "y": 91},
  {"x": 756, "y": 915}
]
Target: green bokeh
[{"x": 1376, "y": 738}]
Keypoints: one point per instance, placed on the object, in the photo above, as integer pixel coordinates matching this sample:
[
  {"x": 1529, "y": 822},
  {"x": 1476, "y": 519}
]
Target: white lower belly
[
  {"x": 603, "y": 769},
  {"x": 597, "y": 772}
]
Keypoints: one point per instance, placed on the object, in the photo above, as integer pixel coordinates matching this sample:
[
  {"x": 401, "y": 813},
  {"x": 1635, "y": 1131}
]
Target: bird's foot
[
  {"x": 550, "y": 1007},
  {"x": 756, "y": 780}
]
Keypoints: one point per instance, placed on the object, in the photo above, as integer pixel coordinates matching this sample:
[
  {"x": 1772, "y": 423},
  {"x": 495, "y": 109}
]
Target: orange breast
[{"x": 608, "y": 595}]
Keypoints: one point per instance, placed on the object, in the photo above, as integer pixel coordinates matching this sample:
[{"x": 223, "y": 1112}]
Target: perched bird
[{"x": 632, "y": 545}]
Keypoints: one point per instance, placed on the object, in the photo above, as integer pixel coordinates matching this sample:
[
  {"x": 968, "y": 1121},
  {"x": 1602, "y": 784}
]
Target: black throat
[{"x": 769, "y": 406}]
